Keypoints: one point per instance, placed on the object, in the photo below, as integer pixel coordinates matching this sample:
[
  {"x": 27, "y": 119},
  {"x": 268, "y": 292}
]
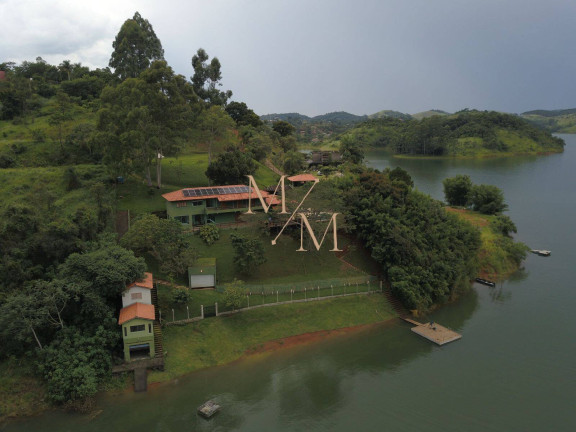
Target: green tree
[
  {"x": 206, "y": 79},
  {"x": 136, "y": 47},
  {"x": 487, "y": 199},
  {"x": 231, "y": 168},
  {"x": 351, "y": 150},
  {"x": 248, "y": 253},
  {"x": 294, "y": 162},
  {"x": 214, "y": 123},
  {"x": 209, "y": 233},
  {"x": 457, "y": 190},
  {"x": 283, "y": 128},
  {"x": 163, "y": 239},
  {"x": 234, "y": 294},
  {"x": 145, "y": 118},
  {"x": 503, "y": 225},
  {"x": 398, "y": 174},
  {"x": 242, "y": 115}
]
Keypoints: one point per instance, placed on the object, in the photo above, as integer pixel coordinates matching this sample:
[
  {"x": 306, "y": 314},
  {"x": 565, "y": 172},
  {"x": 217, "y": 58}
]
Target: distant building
[
  {"x": 320, "y": 157},
  {"x": 217, "y": 204},
  {"x": 300, "y": 179}
]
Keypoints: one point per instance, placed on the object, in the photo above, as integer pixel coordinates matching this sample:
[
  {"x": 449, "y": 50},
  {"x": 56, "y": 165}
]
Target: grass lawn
[
  {"x": 177, "y": 173},
  {"x": 21, "y": 394},
  {"x": 217, "y": 341}
]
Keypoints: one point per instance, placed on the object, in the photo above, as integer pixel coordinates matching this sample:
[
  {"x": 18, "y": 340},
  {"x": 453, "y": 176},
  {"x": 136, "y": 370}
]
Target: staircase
[
  {"x": 396, "y": 304},
  {"x": 158, "y": 340},
  {"x": 157, "y": 327}
]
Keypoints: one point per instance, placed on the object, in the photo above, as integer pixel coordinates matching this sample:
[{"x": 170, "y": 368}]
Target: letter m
[
  {"x": 253, "y": 184},
  {"x": 304, "y": 222}
]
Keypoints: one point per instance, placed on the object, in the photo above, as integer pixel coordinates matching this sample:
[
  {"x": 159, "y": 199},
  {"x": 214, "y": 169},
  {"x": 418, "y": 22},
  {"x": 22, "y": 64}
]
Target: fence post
[
  {"x": 305, "y": 298},
  {"x": 276, "y": 296},
  {"x": 172, "y": 314},
  {"x": 291, "y": 294},
  {"x": 187, "y": 312},
  {"x": 381, "y": 289},
  {"x": 332, "y": 288},
  {"x": 160, "y": 315},
  {"x": 356, "y": 287},
  {"x": 248, "y": 297},
  {"x": 318, "y": 296},
  {"x": 202, "y": 311},
  {"x": 216, "y": 308}
]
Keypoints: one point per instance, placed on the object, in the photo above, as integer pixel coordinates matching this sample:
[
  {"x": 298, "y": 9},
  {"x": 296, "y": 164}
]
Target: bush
[
  {"x": 209, "y": 233},
  {"x": 180, "y": 295},
  {"x": 234, "y": 294}
]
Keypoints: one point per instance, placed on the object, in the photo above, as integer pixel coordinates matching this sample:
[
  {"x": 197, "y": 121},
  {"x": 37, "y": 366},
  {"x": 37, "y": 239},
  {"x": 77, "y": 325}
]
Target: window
[
  {"x": 125, "y": 332},
  {"x": 198, "y": 203},
  {"x": 212, "y": 203},
  {"x": 136, "y": 296},
  {"x": 182, "y": 219},
  {"x": 137, "y": 328},
  {"x": 181, "y": 204},
  {"x": 149, "y": 328}
]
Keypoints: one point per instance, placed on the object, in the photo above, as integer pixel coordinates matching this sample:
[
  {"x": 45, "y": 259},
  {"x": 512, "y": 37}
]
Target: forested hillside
[
  {"x": 466, "y": 134},
  {"x": 559, "y": 121}
]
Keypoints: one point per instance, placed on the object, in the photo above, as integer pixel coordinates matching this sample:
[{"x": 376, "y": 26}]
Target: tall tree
[
  {"x": 145, "y": 118},
  {"x": 214, "y": 123},
  {"x": 136, "y": 47},
  {"x": 457, "y": 189},
  {"x": 231, "y": 168},
  {"x": 207, "y": 78}
]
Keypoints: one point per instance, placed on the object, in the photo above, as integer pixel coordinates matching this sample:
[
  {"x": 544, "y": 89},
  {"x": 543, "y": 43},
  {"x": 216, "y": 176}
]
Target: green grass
[
  {"x": 21, "y": 393},
  {"x": 217, "y": 341},
  {"x": 177, "y": 173}
]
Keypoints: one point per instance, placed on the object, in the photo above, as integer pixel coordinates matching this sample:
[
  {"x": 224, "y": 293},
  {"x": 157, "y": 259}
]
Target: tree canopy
[
  {"x": 231, "y": 167},
  {"x": 206, "y": 79},
  {"x": 136, "y": 47}
]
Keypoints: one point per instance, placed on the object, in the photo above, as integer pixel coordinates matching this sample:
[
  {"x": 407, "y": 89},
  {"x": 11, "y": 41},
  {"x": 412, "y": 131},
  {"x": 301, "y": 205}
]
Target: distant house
[
  {"x": 217, "y": 204},
  {"x": 300, "y": 179},
  {"x": 139, "y": 291},
  {"x": 320, "y": 157},
  {"x": 137, "y": 321}
]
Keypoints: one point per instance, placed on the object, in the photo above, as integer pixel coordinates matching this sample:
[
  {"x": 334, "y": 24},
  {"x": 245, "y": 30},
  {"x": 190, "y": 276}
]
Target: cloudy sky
[{"x": 319, "y": 56}]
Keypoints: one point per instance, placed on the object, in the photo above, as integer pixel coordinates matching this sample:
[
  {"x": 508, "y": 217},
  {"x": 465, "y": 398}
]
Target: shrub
[{"x": 209, "y": 233}]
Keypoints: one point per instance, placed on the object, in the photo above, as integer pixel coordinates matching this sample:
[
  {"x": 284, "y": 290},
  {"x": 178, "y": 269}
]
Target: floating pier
[
  {"x": 208, "y": 409},
  {"x": 436, "y": 333}
]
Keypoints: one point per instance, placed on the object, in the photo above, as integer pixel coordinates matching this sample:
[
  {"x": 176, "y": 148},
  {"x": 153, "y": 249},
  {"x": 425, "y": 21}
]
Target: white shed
[{"x": 139, "y": 291}]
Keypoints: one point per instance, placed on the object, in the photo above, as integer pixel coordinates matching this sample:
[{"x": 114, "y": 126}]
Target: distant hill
[
  {"x": 429, "y": 113},
  {"x": 558, "y": 121},
  {"x": 340, "y": 117},
  {"x": 390, "y": 114},
  {"x": 468, "y": 133}
]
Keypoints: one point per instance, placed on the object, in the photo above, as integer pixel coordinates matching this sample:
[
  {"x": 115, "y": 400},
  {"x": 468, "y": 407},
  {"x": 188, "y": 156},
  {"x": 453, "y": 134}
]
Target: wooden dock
[{"x": 434, "y": 332}]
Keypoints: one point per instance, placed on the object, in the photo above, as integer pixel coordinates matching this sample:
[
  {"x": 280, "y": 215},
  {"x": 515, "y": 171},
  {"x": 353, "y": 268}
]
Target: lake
[{"x": 513, "y": 370}]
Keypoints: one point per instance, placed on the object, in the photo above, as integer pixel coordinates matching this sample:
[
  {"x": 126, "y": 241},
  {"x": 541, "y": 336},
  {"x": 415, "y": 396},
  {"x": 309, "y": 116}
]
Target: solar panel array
[{"x": 223, "y": 190}]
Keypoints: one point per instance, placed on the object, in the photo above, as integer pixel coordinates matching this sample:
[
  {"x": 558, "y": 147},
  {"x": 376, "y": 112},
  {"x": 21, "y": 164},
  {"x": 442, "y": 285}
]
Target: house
[
  {"x": 217, "y": 204},
  {"x": 203, "y": 273},
  {"x": 137, "y": 321},
  {"x": 139, "y": 291},
  {"x": 321, "y": 157},
  {"x": 300, "y": 179}
]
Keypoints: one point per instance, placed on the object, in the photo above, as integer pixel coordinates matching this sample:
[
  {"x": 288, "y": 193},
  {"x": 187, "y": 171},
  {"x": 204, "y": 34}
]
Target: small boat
[
  {"x": 541, "y": 252},
  {"x": 486, "y": 282},
  {"x": 208, "y": 409}
]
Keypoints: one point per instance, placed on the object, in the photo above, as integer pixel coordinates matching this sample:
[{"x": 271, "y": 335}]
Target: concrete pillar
[
  {"x": 216, "y": 307},
  {"x": 202, "y": 311}
]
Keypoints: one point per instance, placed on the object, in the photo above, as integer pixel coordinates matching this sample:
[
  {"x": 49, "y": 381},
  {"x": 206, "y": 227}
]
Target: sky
[{"x": 320, "y": 56}]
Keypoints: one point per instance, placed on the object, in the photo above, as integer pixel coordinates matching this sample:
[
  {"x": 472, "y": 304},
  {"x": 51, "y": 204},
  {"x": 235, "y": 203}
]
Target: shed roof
[
  {"x": 302, "y": 178},
  {"x": 145, "y": 282},
  {"x": 179, "y": 195},
  {"x": 136, "y": 310}
]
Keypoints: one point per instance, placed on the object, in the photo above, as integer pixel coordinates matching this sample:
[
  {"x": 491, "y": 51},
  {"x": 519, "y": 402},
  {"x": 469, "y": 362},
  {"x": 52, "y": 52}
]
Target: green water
[{"x": 513, "y": 370}]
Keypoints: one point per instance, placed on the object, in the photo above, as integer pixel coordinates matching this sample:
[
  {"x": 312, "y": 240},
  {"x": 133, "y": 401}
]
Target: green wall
[{"x": 138, "y": 337}]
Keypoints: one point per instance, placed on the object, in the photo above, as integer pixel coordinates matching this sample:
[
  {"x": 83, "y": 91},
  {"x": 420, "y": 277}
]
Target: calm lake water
[{"x": 513, "y": 370}]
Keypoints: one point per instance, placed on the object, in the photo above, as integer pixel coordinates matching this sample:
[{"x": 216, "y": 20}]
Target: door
[{"x": 201, "y": 281}]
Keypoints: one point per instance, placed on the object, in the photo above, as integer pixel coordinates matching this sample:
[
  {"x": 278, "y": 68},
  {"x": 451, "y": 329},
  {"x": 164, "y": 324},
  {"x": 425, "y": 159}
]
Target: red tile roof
[
  {"x": 145, "y": 282},
  {"x": 179, "y": 195},
  {"x": 136, "y": 310},
  {"x": 302, "y": 178}
]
